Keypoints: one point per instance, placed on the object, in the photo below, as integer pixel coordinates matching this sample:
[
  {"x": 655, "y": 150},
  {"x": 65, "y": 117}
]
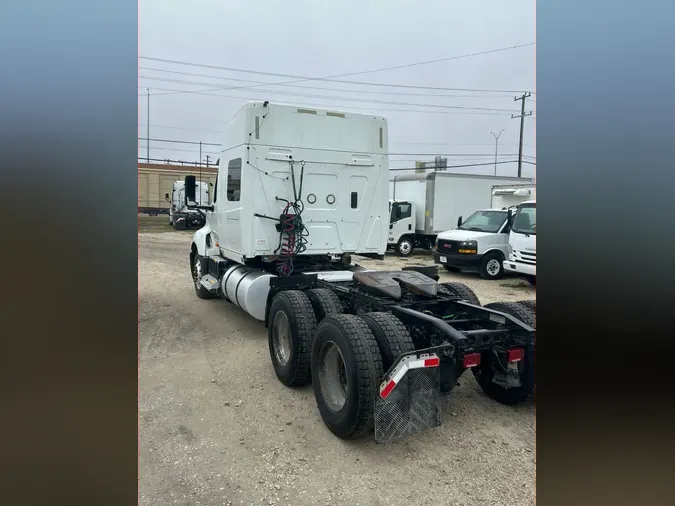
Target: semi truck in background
[
  {"x": 180, "y": 216},
  {"x": 423, "y": 205},
  {"x": 305, "y": 189},
  {"x": 481, "y": 242},
  {"x": 522, "y": 258}
]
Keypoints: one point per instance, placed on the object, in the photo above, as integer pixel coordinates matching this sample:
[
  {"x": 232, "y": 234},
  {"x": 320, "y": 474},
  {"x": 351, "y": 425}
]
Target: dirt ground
[{"x": 218, "y": 428}]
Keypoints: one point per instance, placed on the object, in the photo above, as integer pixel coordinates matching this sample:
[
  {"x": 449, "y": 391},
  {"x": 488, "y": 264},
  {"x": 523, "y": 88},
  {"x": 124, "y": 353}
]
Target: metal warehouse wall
[{"x": 154, "y": 180}]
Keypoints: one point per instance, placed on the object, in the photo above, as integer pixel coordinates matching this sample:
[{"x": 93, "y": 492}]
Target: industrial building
[{"x": 155, "y": 180}]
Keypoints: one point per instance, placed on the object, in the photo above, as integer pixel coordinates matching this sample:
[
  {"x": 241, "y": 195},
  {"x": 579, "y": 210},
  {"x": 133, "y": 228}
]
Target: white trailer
[{"x": 423, "y": 205}]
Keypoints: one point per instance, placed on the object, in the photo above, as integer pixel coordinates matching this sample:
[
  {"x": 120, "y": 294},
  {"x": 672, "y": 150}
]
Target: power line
[
  {"x": 326, "y": 106},
  {"x": 196, "y": 151},
  {"x": 177, "y": 141},
  {"x": 368, "y": 101},
  {"x": 182, "y": 128},
  {"x": 167, "y": 160},
  {"x": 379, "y": 92},
  {"x": 461, "y": 166},
  {"x": 180, "y": 142},
  {"x": 331, "y": 78},
  {"x": 394, "y": 141}
]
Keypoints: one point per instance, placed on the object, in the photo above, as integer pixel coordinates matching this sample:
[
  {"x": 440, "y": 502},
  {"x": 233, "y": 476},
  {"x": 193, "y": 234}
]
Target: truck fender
[
  {"x": 502, "y": 253},
  {"x": 199, "y": 240}
]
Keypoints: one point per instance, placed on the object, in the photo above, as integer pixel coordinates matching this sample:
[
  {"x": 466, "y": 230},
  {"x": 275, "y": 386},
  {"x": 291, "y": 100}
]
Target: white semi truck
[
  {"x": 299, "y": 191},
  {"x": 180, "y": 217},
  {"x": 423, "y": 205},
  {"x": 481, "y": 242},
  {"x": 523, "y": 242}
]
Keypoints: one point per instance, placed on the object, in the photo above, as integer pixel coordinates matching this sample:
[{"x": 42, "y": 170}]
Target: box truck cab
[
  {"x": 522, "y": 257},
  {"x": 480, "y": 242},
  {"x": 180, "y": 217},
  {"x": 402, "y": 235}
]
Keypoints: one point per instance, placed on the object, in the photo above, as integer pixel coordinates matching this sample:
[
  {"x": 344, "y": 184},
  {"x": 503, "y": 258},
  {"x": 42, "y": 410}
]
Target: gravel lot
[{"x": 218, "y": 428}]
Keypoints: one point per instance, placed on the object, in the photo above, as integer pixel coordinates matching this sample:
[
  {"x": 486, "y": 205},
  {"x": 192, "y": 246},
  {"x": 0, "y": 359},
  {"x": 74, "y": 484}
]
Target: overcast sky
[{"x": 329, "y": 37}]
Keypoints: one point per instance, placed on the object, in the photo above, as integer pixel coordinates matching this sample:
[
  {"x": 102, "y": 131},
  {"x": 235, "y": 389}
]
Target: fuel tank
[{"x": 247, "y": 289}]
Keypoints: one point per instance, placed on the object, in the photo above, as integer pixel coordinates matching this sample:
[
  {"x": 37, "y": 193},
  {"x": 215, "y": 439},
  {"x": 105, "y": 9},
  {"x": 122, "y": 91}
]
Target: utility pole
[
  {"x": 200, "y": 173},
  {"x": 522, "y": 124},
  {"x": 147, "y": 138},
  {"x": 496, "y": 146}
]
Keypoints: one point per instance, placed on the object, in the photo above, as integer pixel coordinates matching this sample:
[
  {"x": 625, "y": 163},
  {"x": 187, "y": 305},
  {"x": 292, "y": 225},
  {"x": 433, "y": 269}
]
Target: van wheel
[
  {"x": 404, "y": 247},
  {"x": 492, "y": 266}
]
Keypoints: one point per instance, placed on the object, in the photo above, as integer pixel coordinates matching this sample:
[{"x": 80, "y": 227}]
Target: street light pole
[
  {"x": 496, "y": 146},
  {"x": 147, "y": 138}
]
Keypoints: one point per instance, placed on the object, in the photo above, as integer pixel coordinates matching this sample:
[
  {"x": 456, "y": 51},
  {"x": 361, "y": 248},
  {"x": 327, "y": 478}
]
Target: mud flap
[{"x": 411, "y": 406}]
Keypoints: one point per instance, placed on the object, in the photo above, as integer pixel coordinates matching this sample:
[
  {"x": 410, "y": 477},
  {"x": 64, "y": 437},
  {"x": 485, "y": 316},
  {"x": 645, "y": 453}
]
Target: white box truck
[{"x": 423, "y": 205}]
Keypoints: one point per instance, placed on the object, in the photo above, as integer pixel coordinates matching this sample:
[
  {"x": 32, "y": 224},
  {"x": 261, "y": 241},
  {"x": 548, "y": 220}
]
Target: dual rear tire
[{"x": 344, "y": 355}]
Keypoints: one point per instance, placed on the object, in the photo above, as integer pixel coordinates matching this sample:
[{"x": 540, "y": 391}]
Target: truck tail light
[
  {"x": 471, "y": 360},
  {"x": 515, "y": 355}
]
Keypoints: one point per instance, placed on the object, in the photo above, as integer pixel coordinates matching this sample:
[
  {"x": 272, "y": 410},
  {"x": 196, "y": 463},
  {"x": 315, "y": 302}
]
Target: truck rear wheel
[
  {"x": 462, "y": 291},
  {"x": 346, "y": 368},
  {"x": 404, "y": 247},
  {"x": 529, "y": 303},
  {"x": 520, "y": 311},
  {"x": 485, "y": 372},
  {"x": 393, "y": 339},
  {"x": 291, "y": 326},
  {"x": 324, "y": 302}
]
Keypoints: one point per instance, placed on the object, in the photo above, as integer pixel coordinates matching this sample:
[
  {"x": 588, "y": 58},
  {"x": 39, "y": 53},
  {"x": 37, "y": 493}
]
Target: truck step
[{"x": 210, "y": 283}]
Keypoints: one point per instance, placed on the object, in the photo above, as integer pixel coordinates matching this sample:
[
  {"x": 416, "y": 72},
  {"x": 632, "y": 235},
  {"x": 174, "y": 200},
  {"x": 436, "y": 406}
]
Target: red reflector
[
  {"x": 432, "y": 362},
  {"x": 515, "y": 355},
  {"x": 387, "y": 390},
  {"x": 471, "y": 360}
]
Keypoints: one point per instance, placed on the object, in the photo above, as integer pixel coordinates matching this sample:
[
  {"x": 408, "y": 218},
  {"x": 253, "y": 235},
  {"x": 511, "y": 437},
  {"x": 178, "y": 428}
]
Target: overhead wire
[
  {"x": 331, "y": 78},
  {"x": 378, "y": 92},
  {"x": 350, "y": 99}
]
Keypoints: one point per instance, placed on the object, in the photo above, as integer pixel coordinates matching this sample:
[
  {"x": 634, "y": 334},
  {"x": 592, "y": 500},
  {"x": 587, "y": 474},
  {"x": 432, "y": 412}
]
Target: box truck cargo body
[
  {"x": 423, "y": 205},
  {"x": 511, "y": 195}
]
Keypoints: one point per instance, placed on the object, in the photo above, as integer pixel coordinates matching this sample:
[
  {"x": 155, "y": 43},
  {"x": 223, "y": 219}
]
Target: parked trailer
[
  {"x": 379, "y": 347},
  {"x": 423, "y": 205}
]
